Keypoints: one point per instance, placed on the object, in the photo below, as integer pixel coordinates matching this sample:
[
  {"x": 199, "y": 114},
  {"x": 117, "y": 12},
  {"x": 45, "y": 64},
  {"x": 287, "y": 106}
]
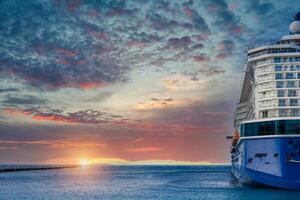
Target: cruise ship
[{"x": 265, "y": 147}]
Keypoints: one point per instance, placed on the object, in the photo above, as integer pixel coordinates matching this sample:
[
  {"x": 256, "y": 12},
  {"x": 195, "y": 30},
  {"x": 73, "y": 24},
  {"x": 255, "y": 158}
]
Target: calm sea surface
[{"x": 133, "y": 182}]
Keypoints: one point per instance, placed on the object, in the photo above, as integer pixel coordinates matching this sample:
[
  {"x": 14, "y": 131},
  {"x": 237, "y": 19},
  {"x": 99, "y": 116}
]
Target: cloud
[
  {"x": 196, "y": 115},
  {"x": 160, "y": 22},
  {"x": 4, "y": 90},
  {"x": 157, "y": 103},
  {"x": 205, "y": 71},
  {"x": 55, "y": 76},
  {"x": 259, "y": 7},
  {"x": 8, "y": 148},
  {"x": 177, "y": 43},
  {"x": 117, "y": 9},
  {"x": 82, "y": 117},
  {"x": 168, "y": 99},
  {"x": 100, "y": 97},
  {"x": 121, "y": 12},
  {"x": 145, "y": 149},
  {"x": 143, "y": 40},
  {"x": 197, "y": 46},
  {"x": 201, "y": 58},
  {"x": 198, "y": 21},
  {"x": 224, "y": 19},
  {"x": 52, "y": 49},
  {"x": 211, "y": 71},
  {"x": 225, "y": 49},
  {"x": 55, "y": 144},
  {"x": 160, "y": 100},
  {"x": 23, "y": 100}
]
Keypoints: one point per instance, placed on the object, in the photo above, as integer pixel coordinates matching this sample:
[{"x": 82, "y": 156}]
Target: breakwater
[{"x": 32, "y": 168}]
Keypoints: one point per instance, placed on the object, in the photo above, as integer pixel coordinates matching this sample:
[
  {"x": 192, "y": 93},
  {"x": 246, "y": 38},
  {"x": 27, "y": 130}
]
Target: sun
[{"x": 83, "y": 162}]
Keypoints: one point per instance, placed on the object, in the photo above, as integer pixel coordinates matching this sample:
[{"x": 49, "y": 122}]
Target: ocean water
[{"x": 133, "y": 182}]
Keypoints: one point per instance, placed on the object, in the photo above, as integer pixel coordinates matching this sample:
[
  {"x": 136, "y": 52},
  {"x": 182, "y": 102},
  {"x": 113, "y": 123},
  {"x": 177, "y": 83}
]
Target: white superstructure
[{"x": 271, "y": 84}]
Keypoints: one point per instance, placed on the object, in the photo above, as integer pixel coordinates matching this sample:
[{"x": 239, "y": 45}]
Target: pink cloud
[
  {"x": 55, "y": 144},
  {"x": 238, "y": 30},
  {"x": 8, "y": 148},
  {"x": 200, "y": 58},
  {"x": 188, "y": 11},
  {"x": 74, "y": 4},
  {"x": 99, "y": 35},
  {"x": 66, "y": 52},
  {"x": 138, "y": 44}
]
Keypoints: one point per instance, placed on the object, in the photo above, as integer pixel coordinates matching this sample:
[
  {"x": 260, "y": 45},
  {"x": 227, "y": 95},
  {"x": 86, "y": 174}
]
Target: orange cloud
[
  {"x": 179, "y": 82},
  {"x": 15, "y": 112},
  {"x": 145, "y": 149},
  {"x": 91, "y": 85},
  {"x": 156, "y": 103}
]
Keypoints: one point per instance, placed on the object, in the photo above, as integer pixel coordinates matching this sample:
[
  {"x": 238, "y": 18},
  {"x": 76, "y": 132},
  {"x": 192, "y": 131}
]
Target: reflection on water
[{"x": 133, "y": 182}]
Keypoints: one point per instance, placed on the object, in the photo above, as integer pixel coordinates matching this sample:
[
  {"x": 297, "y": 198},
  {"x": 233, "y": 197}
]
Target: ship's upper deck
[
  {"x": 271, "y": 84},
  {"x": 288, "y": 43}
]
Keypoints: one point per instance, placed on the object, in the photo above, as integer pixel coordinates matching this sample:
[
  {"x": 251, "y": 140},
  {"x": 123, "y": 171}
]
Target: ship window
[
  {"x": 277, "y": 60},
  {"x": 285, "y": 68},
  {"x": 293, "y": 102},
  {"x": 298, "y": 75},
  {"x": 279, "y": 76},
  {"x": 260, "y": 128},
  {"x": 278, "y": 68},
  {"x": 283, "y": 112},
  {"x": 289, "y": 127},
  {"x": 264, "y": 114},
  {"x": 292, "y": 68},
  {"x": 280, "y": 93},
  {"x": 279, "y": 127},
  {"x": 295, "y": 112},
  {"x": 289, "y": 76},
  {"x": 279, "y": 84},
  {"x": 292, "y": 93},
  {"x": 292, "y": 50},
  {"x": 281, "y": 102},
  {"x": 284, "y": 59},
  {"x": 290, "y": 59},
  {"x": 290, "y": 84},
  {"x": 298, "y": 67}
]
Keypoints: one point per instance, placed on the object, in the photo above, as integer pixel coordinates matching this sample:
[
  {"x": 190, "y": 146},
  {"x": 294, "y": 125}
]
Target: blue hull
[{"x": 270, "y": 161}]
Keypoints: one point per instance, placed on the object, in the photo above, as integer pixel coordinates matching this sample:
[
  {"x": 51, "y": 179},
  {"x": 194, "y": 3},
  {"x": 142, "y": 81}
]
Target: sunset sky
[{"x": 126, "y": 81}]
